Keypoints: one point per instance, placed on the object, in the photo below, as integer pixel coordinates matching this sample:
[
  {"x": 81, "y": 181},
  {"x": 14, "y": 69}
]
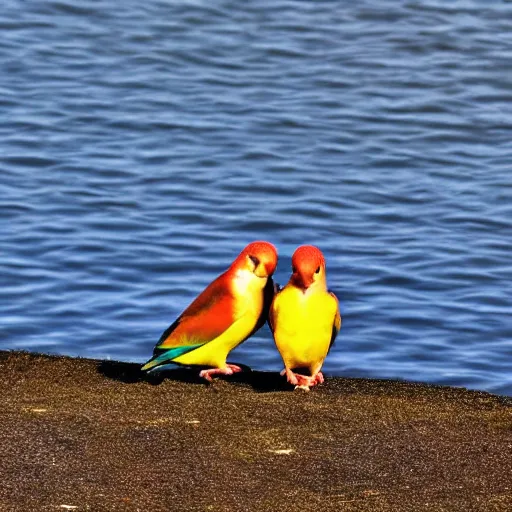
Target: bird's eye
[
  {"x": 294, "y": 269},
  {"x": 317, "y": 271},
  {"x": 255, "y": 260}
]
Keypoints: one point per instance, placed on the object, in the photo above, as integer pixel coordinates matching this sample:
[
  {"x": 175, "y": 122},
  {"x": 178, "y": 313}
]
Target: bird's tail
[{"x": 167, "y": 356}]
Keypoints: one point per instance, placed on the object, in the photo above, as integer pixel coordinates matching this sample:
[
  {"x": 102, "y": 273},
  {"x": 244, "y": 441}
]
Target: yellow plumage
[
  {"x": 304, "y": 326},
  {"x": 305, "y": 319}
]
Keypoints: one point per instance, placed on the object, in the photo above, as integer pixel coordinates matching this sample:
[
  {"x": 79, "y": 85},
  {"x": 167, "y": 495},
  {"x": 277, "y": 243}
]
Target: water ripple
[{"x": 143, "y": 145}]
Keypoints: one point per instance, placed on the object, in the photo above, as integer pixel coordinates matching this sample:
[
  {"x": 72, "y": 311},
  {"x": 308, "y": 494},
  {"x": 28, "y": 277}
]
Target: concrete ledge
[{"x": 80, "y": 434}]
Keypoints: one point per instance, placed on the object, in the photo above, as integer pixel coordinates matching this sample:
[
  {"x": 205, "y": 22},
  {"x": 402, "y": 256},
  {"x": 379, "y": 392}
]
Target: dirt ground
[{"x": 80, "y": 434}]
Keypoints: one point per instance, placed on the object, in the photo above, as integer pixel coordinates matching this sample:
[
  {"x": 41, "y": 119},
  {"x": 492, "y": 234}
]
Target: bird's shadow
[{"x": 131, "y": 373}]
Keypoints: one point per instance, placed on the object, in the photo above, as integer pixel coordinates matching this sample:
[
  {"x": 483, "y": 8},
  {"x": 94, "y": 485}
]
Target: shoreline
[{"x": 100, "y": 435}]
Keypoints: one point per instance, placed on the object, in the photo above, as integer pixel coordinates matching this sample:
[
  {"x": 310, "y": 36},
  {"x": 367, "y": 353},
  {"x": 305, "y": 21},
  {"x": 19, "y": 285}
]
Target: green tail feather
[{"x": 168, "y": 356}]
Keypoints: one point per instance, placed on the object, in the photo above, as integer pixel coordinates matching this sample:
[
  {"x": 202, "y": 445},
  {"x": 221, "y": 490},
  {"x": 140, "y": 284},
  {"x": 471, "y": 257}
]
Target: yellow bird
[{"x": 305, "y": 319}]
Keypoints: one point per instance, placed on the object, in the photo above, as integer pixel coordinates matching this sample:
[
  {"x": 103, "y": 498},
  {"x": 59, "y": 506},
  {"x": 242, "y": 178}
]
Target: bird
[
  {"x": 304, "y": 318},
  {"x": 229, "y": 310}
]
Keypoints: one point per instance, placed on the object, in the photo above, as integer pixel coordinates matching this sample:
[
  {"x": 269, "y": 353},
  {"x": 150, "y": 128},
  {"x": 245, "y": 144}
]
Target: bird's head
[
  {"x": 260, "y": 258},
  {"x": 308, "y": 268}
]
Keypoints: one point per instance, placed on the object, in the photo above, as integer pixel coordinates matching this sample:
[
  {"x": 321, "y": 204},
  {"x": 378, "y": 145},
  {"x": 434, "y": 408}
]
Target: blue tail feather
[{"x": 168, "y": 356}]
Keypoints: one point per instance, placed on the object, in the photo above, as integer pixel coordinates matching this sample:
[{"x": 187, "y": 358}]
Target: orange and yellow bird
[
  {"x": 230, "y": 309},
  {"x": 304, "y": 318}
]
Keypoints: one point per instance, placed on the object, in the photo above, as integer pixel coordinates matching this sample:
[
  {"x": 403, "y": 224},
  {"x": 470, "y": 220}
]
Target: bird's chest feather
[
  {"x": 303, "y": 327},
  {"x": 247, "y": 289},
  {"x": 305, "y": 314}
]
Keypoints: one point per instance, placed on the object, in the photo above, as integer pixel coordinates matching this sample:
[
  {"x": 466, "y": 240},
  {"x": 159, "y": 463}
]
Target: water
[{"x": 143, "y": 144}]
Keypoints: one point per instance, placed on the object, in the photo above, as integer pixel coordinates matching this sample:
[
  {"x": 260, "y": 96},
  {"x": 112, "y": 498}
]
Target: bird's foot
[
  {"x": 303, "y": 382},
  {"x": 319, "y": 378},
  {"x": 300, "y": 381},
  {"x": 230, "y": 369}
]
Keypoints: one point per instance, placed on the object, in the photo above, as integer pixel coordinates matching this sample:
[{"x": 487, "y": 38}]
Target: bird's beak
[
  {"x": 265, "y": 269},
  {"x": 303, "y": 281}
]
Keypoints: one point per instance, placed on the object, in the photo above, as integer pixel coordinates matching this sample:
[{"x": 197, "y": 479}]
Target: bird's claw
[
  {"x": 229, "y": 369},
  {"x": 319, "y": 378},
  {"x": 302, "y": 381}
]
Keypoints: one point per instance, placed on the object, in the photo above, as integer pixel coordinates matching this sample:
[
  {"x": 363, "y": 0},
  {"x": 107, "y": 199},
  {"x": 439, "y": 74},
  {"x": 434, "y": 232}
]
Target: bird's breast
[
  {"x": 247, "y": 289},
  {"x": 304, "y": 313}
]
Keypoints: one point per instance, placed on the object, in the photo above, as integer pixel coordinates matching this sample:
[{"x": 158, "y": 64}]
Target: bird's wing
[
  {"x": 209, "y": 315},
  {"x": 336, "y": 326},
  {"x": 272, "y": 312}
]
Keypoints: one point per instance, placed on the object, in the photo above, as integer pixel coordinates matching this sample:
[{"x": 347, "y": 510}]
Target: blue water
[{"x": 143, "y": 144}]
